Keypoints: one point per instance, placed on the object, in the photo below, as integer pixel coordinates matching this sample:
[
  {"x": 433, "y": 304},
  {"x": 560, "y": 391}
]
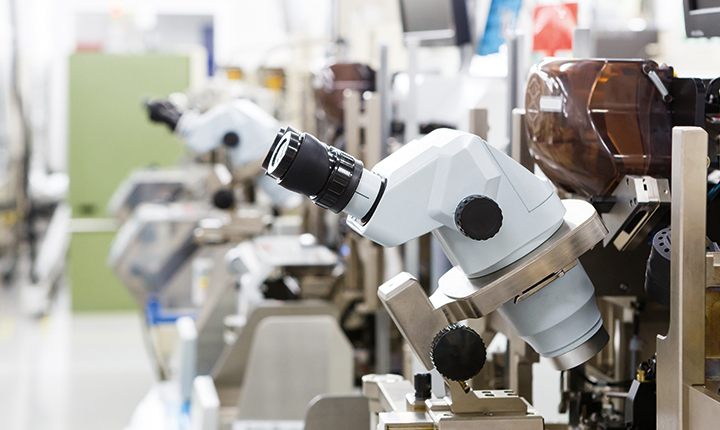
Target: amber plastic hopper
[
  {"x": 330, "y": 82},
  {"x": 591, "y": 122}
]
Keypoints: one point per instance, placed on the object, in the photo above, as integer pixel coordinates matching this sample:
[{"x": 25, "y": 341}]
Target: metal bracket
[
  {"x": 496, "y": 409},
  {"x": 640, "y": 202},
  {"x": 419, "y": 318},
  {"x": 484, "y": 402},
  {"x": 581, "y": 229}
]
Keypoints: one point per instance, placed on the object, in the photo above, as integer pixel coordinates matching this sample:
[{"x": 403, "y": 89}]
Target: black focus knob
[
  {"x": 224, "y": 199},
  {"x": 458, "y": 352},
  {"x": 231, "y": 139},
  {"x": 478, "y": 217}
]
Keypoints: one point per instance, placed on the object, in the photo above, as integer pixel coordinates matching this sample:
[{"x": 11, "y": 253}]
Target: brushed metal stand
[{"x": 683, "y": 402}]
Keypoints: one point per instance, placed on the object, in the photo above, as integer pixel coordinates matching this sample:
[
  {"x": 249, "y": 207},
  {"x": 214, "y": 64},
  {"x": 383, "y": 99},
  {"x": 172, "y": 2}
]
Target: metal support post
[
  {"x": 520, "y": 359},
  {"x": 479, "y": 122},
  {"x": 515, "y": 66},
  {"x": 385, "y": 106},
  {"x": 681, "y": 353},
  {"x": 519, "y": 150},
  {"x": 351, "y": 122},
  {"x": 371, "y": 253}
]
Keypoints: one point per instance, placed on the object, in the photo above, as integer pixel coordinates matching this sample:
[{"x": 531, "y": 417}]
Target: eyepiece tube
[
  {"x": 163, "y": 111},
  {"x": 331, "y": 178}
]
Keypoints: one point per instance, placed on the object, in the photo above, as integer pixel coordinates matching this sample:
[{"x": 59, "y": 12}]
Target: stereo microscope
[
  {"x": 241, "y": 126},
  {"x": 513, "y": 243}
]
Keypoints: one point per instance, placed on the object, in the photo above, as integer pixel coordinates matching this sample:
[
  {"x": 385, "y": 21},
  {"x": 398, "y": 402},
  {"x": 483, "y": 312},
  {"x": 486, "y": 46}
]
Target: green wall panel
[
  {"x": 109, "y": 132},
  {"x": 109, "y": 135},
  {"x": 94, "y": 285}
]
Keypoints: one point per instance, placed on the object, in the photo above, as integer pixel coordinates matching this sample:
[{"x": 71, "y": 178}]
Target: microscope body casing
[
  {"x": 428, "y": 178},
  {"x": 255, "y": 129},
  {"x": 425, "y": 182}
]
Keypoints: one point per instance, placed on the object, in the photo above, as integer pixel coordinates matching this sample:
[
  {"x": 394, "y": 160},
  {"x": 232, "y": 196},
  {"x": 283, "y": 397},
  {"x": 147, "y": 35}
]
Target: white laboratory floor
[{"x": 69, "y": 371}]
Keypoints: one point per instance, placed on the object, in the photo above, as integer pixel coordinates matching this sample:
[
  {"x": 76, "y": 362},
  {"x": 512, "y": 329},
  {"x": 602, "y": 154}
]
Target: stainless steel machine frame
[
  {"x": 367, "y": 260},
  {"x": 683, "y": 401},
  {"x": 641, "y": 202},
  {"x": 392, "y": 399}
]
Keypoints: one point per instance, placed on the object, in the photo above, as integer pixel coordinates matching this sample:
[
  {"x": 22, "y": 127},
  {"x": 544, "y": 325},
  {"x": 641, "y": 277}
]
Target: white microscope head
[
  {"x": 486, "y": 210},
  {"x": 242, "y": 126}
]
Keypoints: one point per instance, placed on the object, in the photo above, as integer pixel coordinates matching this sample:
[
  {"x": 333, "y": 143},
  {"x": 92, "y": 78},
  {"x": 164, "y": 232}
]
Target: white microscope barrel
[
  {"x": 561, "y": 321},
  {"x": 365, "y": 195}
]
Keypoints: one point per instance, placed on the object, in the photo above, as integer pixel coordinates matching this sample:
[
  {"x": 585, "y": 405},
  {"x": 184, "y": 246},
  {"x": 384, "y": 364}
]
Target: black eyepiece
[
  {"x": 301, "y": 163},
  {"x": 163, "y": 111}
]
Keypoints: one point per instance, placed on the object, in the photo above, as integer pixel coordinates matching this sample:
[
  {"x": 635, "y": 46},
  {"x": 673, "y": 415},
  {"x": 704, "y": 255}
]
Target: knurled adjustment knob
[
  {"x": 478, "y": 217},
  {"x": 340, "y": 178},
  {"x": 458, "y": 352},
  {"x": 224, "y": 199},
  {"x": 231, "y": 139}
]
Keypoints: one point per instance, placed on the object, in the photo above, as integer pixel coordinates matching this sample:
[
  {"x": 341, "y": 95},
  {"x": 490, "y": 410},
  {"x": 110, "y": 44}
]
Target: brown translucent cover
[
  {"x": 330, "y": 82},
  {"x": 591, "y": 122}
]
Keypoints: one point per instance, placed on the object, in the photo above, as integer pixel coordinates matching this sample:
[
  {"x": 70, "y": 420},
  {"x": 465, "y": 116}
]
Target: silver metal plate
[
  {"x": 581, "y": 229},
  {"x": 640, "y": 202},
  {"x": 582, "y": 353}
]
